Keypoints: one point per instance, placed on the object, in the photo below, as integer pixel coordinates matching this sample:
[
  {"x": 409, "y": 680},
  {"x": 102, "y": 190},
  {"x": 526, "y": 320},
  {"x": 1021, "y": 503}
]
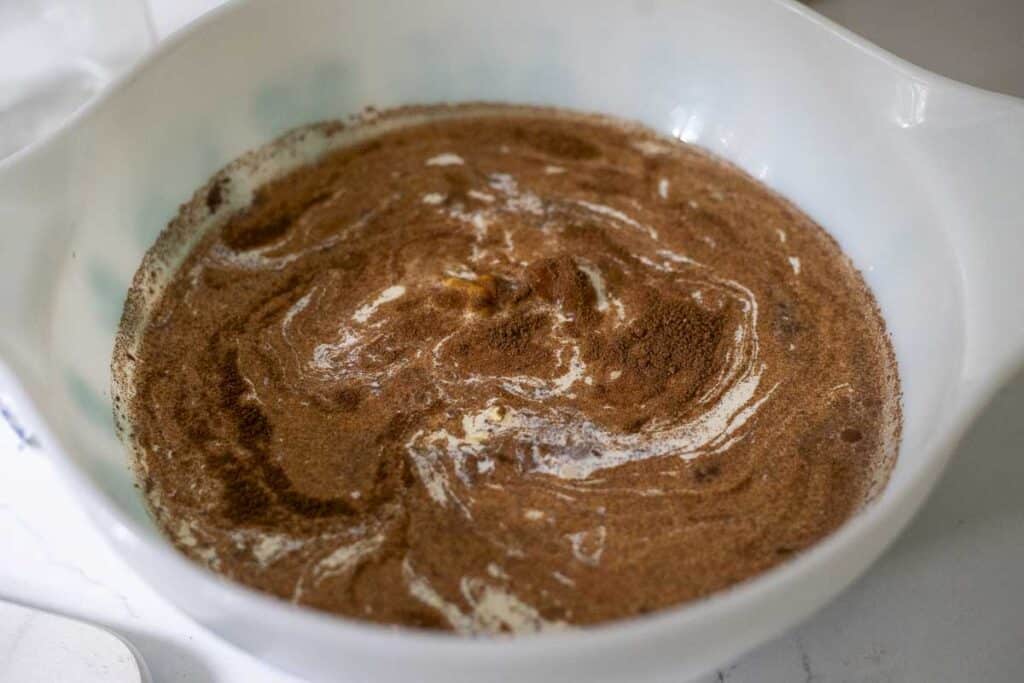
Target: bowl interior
[{"x": 735, "y": 78}]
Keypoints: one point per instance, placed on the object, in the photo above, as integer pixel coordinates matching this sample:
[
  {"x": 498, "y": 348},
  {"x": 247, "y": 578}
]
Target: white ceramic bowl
[{"x": 918, "y": 177}]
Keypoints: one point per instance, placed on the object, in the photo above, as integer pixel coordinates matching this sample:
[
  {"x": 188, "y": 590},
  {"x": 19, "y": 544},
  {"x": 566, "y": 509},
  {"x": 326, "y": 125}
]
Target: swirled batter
[{"x": 499, "y": 369}]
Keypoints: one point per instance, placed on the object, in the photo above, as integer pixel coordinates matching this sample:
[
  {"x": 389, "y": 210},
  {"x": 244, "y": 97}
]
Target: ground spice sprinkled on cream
[{"x": 500, "y": 369}]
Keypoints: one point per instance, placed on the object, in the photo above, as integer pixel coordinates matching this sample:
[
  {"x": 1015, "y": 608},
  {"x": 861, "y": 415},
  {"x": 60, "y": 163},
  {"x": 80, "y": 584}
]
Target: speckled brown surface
[{"x": 509, "y": 371}]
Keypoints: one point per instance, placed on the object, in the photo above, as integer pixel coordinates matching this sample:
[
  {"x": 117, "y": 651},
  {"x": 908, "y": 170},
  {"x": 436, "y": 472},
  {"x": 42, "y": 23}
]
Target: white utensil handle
[{"x": 40, "y": 646}]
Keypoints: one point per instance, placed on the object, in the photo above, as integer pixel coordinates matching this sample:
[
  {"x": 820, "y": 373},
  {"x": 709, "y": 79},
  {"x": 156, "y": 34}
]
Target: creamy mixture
[{"x": 499, "y": 369}]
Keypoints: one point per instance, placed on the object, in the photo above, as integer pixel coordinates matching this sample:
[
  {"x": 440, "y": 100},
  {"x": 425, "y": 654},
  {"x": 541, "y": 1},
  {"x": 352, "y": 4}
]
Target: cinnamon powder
[{"x": 502, "y": 369}]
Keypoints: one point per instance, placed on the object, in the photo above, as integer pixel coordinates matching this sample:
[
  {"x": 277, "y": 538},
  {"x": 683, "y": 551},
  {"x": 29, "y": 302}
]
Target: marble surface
[{"x": 944, "y": 605}]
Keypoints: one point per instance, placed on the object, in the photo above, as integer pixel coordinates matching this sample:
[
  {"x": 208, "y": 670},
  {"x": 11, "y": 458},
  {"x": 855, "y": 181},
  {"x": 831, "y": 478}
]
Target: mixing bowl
[{"x": 918, "y": 177}]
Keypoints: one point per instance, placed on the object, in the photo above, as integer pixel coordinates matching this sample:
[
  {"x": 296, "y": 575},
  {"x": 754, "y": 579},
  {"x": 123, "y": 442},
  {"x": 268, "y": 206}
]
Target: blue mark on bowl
[{"x": 25, "y": 437}]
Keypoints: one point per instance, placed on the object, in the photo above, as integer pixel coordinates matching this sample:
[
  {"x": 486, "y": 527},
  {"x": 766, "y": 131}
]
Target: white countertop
[{"x": 944, "y": 605}]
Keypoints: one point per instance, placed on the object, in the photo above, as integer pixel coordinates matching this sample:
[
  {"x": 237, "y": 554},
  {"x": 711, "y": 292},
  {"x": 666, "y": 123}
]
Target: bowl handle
[
  {"x": 975, "y": 143},
  {"x": 75, "y": 54}
]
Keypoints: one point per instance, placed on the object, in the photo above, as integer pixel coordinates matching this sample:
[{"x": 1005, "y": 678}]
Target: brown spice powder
[{"x": 504, "y": 369}]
